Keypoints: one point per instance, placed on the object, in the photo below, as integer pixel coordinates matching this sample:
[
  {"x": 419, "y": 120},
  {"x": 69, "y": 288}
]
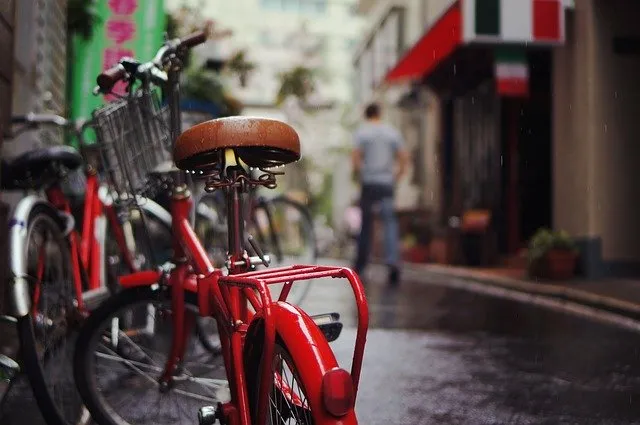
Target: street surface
[{"x": 450, "y": 356}]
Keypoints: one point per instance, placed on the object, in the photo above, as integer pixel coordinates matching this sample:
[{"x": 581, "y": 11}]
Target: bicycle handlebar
[
  {"x": 32, "y": 118},
  {"x": 107, "y": 79},
  {"x": 192, "y": 40},
  {"x": 32, "y": 121}
]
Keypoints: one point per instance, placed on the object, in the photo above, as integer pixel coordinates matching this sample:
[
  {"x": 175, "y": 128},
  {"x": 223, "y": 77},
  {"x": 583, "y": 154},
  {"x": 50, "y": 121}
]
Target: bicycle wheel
[
  {"x": 291, "y": 397},
  {"x": 121, "y": 352},
  {"x": 284, "y": 230},
  {"x": 47, "y": 334}
]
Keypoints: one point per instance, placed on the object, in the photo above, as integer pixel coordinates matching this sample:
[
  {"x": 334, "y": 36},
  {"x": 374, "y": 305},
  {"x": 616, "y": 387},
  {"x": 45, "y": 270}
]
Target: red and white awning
[{"x": 468, "y": 22}]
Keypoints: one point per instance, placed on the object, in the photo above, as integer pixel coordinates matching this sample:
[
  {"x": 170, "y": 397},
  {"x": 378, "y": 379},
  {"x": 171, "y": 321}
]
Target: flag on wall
[
  {"x": 511, "y": 71},
  {"x": 532, "y": 21}
]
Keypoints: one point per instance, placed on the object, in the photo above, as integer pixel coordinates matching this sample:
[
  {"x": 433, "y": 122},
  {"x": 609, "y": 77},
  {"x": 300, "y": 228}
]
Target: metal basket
[{"x": 134, "y": 140}]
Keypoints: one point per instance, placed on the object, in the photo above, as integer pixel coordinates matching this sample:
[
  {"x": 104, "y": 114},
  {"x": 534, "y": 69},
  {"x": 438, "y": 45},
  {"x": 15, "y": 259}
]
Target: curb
[{"x": 589, "y": 299}]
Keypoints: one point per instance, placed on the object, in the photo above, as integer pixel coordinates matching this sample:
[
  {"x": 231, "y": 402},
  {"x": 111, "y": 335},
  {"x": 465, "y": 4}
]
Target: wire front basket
[{"x": 134, "y": 139}]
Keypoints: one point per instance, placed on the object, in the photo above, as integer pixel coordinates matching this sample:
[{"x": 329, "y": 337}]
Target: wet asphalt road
[{"x": 449, "y": 356}]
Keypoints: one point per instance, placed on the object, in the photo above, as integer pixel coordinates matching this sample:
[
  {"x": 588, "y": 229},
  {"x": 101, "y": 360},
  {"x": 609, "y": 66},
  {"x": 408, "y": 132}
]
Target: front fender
[
  {"x": 307, "y": 346},
  {"x": 19, "y": 294}
]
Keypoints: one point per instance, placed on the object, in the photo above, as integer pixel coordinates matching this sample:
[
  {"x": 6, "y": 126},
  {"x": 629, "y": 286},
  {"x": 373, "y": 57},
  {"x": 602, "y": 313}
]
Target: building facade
[
  {"x": 487, "y": 66},
  {"x": 32, "y": 79},
  {"x": 532, "y": 108},
  {"x": 596, "y": 92}
]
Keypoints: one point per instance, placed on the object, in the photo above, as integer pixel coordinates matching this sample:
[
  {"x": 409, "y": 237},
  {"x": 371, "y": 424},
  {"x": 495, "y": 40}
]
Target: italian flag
[
  {"x": 511, "y": 71},
  {"x": 530, "y": 21}
]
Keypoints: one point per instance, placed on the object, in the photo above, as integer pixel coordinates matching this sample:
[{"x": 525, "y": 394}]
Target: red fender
[{"x": 307, "y": 345}]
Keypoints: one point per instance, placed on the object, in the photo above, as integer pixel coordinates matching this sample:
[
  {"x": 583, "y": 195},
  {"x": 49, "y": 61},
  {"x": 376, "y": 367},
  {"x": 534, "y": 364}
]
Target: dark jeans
[{"x": 382, "y": 196}]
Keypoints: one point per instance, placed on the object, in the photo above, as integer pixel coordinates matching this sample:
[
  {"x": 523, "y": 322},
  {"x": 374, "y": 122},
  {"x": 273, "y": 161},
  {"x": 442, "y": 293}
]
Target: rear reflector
[{"x": 337, "y": 392}]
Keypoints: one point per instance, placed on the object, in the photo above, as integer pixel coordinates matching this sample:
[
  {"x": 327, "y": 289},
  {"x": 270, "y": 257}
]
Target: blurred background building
[
  {"x": 287, "y": 41},
  {"x": 520, "y": 108}
]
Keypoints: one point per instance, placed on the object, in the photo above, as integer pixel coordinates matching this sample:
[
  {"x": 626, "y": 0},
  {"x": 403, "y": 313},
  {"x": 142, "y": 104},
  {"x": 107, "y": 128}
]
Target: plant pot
[{"x": 560, "y": 264}]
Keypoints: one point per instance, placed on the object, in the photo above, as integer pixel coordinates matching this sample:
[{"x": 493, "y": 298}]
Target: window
[
  {"x": 289, "y": 5},
  {"x": 270, "y": 4},
  {"x": 313, "y": 6},
  {"x": 298, "y": 6}
]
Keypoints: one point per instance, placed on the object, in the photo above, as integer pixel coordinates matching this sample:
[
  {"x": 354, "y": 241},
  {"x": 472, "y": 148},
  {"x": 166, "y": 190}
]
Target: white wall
[
  {"x": 272, "y": 39},
  {"x": 596, "y": 129}
]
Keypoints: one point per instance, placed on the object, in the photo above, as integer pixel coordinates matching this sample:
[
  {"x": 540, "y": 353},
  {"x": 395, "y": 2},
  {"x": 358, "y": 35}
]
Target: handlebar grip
[
  {"x": 107, "y": 79},
  {"x": 193, "y": 40},
  {"x": 21, "y": 119}
]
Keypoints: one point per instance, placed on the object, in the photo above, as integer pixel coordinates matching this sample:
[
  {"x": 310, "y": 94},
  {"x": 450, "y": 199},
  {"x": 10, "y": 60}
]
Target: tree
[
  {"x": 206, "y": 86},
  {"x": 239, "y": 65},
  {"x": 298, "y": 82},
  {"x": 82, "y": 17},
  {"x": 199, "y": 83}
]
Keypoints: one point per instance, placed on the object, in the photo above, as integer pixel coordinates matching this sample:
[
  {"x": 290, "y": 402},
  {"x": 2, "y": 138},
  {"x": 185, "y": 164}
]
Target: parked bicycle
[
  {"x": 127, "y": 365},
  {"x": 58, "y": 268}
]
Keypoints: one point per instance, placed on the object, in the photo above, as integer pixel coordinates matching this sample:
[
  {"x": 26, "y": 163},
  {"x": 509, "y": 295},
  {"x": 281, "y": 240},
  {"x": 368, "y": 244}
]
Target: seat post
[{"x": 235, "y": 220}]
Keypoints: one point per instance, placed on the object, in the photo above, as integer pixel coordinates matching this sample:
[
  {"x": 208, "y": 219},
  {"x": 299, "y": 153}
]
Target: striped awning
[{"x": 482, "y": 22}]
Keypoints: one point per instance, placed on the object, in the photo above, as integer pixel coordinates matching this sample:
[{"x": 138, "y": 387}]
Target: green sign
[{"x": 132, "y": 28}]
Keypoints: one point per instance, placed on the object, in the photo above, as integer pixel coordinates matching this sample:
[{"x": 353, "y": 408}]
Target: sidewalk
[{"x": 620, "y": 296}]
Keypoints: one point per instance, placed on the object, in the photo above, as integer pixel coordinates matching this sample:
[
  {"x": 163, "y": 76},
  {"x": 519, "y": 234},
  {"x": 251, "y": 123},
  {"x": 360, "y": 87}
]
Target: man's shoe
[{"x": 394, "y": 275}]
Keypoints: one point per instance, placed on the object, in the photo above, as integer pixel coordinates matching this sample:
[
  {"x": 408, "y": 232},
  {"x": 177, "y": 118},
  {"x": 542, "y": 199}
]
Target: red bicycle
[
  {"x": 134, "y": 355},
  {"x": 59, "y": 269}
]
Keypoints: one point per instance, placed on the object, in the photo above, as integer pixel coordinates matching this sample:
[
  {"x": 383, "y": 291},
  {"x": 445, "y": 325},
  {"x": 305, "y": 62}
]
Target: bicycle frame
[
  {"x": 85, "y": 247},
  {"x": 227, "y": 298}
]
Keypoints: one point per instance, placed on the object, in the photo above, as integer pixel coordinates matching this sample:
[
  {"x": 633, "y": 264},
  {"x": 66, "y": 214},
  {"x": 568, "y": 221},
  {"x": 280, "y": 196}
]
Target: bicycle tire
[
  {"x": 84, "y": 355},
  {"x": 29, "y": 355},
  {"x": 298, "y": 291}
]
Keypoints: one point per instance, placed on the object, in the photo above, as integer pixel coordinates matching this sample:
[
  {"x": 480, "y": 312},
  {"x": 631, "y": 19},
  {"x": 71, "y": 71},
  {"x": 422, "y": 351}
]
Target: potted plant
[{"x": 552, "y": 255}]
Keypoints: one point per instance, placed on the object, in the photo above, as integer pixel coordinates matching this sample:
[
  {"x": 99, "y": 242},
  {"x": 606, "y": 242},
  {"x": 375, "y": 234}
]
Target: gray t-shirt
[{"x": 379, "y": 143}]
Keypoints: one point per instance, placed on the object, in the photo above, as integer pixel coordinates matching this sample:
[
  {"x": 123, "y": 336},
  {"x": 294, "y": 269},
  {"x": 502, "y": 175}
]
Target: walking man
[{"x": 379, "y": 160}]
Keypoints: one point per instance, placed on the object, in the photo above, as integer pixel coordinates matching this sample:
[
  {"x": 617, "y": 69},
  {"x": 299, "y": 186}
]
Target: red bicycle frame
[
  {"x": 227, "y": 298},
  {"x": 86, "y": 255}
]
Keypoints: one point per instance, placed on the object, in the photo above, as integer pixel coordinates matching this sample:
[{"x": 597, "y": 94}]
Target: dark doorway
[
  {"x": 447, "y": 159},
  {"x": 535, "y": 149},
  {"x": 526, "y": 159}
]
